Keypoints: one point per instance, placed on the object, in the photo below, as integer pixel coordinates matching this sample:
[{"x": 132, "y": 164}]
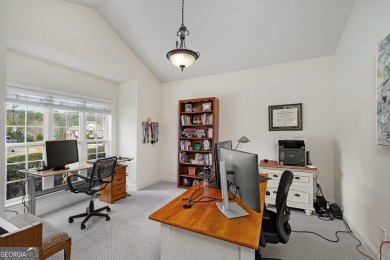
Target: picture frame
[
  {"x": 286, "y": 117},
  {"x": 382, "y": 92},
  {"x": 188, "y": 108},
  {"x": 197, "y": 120},
  {"x": 206, "y": 106}
]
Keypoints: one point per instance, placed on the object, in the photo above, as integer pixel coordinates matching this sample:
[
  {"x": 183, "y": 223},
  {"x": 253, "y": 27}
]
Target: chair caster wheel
[
  {"x": 107, "y": 218},
  {"x": 82, "y": 226},
  {"x": 70, "y": 220},
  {"x": 108, "y": 209}
]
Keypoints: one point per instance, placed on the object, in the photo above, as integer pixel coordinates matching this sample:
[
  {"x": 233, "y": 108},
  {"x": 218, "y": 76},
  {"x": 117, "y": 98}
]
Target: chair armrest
[{"x": 69, "y": 182}]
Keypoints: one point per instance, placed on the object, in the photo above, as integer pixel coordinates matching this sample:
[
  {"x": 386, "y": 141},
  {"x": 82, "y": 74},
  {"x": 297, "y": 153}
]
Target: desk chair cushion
[
  {"x": 51, "y": 236},
  {"x": 269, "y": 228}
]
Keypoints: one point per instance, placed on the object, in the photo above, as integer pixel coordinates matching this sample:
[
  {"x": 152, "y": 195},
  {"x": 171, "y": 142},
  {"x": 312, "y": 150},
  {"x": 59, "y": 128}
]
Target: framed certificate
[{"x": 285, "y": 117}]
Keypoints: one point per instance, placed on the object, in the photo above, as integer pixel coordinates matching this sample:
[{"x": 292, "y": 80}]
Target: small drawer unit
[
  {"x": 115, "y": 190},
  {"x": 302, "y": 190}
]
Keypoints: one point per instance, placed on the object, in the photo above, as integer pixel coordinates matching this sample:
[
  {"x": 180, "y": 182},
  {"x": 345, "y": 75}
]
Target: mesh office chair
[
  {"x": 102, "y": 174},
  {"x": 275, "y": 226}
]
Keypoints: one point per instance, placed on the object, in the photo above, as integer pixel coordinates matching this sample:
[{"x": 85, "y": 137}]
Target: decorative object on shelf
[
  {"x": 383, "y": 92},
  {"x": 243, "y": 139},
  {"x": 181, "y": 56},
  {"x": 188, "y": 107},
  {"x": 191, "y": 170},
  {"x": 200, "y": 133},
  {"x": 285, "y": 117},
  {"x": 195, "y": 109},
  {"x": 206, "y": 106},
  {"x": 150, "y": 131},
  {"x": 186, "y": 182},
  {"x": 188, "y": 132},
  {"x": 197, "y": 146},
  {"x": 197, "y": 119},
  {"x": 206, "y": 145}
]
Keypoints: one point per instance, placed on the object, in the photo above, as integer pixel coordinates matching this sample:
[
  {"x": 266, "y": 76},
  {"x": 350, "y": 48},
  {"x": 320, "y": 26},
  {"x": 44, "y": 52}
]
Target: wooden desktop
[{"x": 204, "y": 232}]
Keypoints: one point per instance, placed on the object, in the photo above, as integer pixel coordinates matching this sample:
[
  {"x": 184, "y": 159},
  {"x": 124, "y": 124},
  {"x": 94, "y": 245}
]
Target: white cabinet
[{"x": 302, "y": 190}]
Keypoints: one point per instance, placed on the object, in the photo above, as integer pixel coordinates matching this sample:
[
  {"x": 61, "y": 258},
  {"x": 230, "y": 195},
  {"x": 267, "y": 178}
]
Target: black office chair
[
  {"x": 275, "y": 226},
  {"x": 102, "y": 174}
]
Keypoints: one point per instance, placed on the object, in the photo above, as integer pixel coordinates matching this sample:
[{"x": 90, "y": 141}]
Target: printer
[{"x": 292, "y": 153}]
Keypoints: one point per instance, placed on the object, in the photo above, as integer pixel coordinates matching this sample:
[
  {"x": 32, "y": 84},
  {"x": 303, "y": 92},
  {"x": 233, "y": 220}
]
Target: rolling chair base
[
  {"x": 89, "y": 213},
  {"x": 259, "y": 257}
]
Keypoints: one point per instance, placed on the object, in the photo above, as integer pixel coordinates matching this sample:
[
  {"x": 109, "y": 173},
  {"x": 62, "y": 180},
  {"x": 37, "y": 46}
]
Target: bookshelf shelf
[{"x": 203, "y": 122}]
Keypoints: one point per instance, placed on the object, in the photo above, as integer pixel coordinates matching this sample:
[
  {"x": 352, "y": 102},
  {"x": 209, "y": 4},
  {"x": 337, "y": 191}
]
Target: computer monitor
[
  {"x": 61, "y": 153},
  {"x": 217, "y": 177},
  {"x": 245, "y": 172}
]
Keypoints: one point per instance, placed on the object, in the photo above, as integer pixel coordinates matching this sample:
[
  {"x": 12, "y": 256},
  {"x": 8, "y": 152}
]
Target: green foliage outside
[{"x": 12, "y": 170}]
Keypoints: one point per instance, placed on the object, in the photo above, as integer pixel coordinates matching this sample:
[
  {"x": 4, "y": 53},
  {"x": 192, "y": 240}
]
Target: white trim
[
  {"x": 167, "y": 178},
  {"x": 365, "y": 242},
  {"x": 57, "y": 92}
]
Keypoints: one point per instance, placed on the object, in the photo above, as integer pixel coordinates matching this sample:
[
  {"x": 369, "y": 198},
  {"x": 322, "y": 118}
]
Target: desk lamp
[{"x": 243, "y": 139}]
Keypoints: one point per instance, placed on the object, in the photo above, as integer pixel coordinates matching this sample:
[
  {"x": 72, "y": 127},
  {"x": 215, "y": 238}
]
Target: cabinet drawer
[
  {"x": 119, "y": 189},
  {"x": 299, "y": 178},
  {"x": 120, "y": 170},
  {"x": 271, "y": 192},
  {"x": 298, "y": 196},
  {"x": 118, "y": 179}
]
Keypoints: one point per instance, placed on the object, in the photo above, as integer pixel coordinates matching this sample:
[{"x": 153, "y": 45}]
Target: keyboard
[{"x": 3, "y": 231}]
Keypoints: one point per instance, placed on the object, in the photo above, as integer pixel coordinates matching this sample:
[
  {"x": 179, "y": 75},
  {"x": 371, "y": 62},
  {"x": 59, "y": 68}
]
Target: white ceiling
[{"x": 230, "y": 35}]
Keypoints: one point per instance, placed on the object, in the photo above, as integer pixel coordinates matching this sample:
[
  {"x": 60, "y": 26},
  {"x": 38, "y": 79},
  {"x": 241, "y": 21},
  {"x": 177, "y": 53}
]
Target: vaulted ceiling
[{"x": 230, "y": 35}]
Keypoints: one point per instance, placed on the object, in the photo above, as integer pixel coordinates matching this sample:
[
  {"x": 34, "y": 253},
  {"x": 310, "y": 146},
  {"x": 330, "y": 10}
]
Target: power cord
[
  {"x": 380, "y": 248},
  {"x": 8, "y": 210},
  {"x": 23, "y": 185},
  {"x": 348, "y": 231}
]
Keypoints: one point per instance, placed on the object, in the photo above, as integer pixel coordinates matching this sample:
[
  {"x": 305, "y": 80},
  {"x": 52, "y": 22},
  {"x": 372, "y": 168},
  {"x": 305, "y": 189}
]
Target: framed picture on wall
[
  {"x": 285, "y": 117},
  {"x": 383, "y": 92}
]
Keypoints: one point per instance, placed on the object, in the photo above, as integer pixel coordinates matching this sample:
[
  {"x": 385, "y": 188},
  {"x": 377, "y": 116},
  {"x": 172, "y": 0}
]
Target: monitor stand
[{"x": 229, "y": 209}]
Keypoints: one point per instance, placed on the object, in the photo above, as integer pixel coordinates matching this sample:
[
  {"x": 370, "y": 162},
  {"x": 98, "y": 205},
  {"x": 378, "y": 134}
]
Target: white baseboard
[
  {"x": 372, "y": 251},
  {"x": 170, "y": 179}
]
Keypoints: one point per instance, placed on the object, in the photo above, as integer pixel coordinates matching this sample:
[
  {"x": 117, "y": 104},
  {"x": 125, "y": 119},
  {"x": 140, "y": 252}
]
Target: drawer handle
[
  {"x": 276, "y": 176},
  {"x": 119, "y": 179},
  {"x": 267, "y": 193},
  {"x": 119, "y": 189},
  {"x": 274, "y": 192},
  {"x": 297, "y": 195},
  {"x": 297, "y": 178}
]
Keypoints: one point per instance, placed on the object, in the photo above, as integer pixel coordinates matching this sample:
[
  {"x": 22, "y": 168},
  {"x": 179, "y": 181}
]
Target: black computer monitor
[
  {"x": 244, "y": 171},
  {"x": 217, "y": 179},
  {"x": 61, "y": 153}
]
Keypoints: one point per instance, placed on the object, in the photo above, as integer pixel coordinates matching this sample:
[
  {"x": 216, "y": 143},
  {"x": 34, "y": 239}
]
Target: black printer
[{"x": 292, "y": 153}]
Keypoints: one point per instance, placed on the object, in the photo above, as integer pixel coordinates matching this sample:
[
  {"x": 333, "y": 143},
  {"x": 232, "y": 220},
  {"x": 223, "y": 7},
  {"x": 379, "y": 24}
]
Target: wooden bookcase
[{"x": 198, "y": 122}]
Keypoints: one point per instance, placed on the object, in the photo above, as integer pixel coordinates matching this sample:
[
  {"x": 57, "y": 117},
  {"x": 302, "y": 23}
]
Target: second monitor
[{"x": 245, "y": 171}]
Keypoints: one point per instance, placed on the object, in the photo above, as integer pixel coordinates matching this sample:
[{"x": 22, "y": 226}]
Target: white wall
[
  {"x": 244, "y": 100},
  {"x": 362, "y": 174},
  {"x": 127, "y": 133}
]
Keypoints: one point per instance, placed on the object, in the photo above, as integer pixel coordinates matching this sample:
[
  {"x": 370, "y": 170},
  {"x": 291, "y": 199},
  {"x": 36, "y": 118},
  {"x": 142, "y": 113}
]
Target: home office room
[{"x": 161, "y": 120}]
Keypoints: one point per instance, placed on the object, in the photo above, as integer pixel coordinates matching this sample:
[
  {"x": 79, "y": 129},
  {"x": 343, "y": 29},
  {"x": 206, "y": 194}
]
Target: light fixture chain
[{"x": 182, "y": 13}]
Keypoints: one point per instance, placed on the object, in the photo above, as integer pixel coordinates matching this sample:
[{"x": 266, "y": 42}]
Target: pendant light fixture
[{"x": 182, "y": 57}]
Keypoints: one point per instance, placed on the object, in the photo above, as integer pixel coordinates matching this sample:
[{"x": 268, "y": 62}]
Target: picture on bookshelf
[
  {"x": 206, "y": 145},
  {"x": 188, "y": 108},
  {"x": 206, "y": 106},
  {"x": 197, "y": 119}
]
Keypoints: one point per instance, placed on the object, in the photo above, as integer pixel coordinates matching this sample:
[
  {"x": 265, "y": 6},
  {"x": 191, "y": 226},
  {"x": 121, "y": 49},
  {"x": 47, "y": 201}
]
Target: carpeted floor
[{"x": 131, "y": 235}]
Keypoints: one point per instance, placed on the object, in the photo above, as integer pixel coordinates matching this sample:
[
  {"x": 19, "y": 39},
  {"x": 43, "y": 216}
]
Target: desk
[
  {"x": 203, "y": 232},
  {"x": 32, "y": 174}
]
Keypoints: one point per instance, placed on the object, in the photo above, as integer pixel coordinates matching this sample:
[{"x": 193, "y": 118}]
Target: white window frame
[{"x": 48, "y": 133}]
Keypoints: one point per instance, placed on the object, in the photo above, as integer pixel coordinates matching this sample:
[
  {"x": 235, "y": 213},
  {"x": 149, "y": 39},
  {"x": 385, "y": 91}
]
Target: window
[{"x": 34, "y": 117}]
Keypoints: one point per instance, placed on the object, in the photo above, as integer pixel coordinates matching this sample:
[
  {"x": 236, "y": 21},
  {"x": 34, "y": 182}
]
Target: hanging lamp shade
[{"x": 181, "y": 56}]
